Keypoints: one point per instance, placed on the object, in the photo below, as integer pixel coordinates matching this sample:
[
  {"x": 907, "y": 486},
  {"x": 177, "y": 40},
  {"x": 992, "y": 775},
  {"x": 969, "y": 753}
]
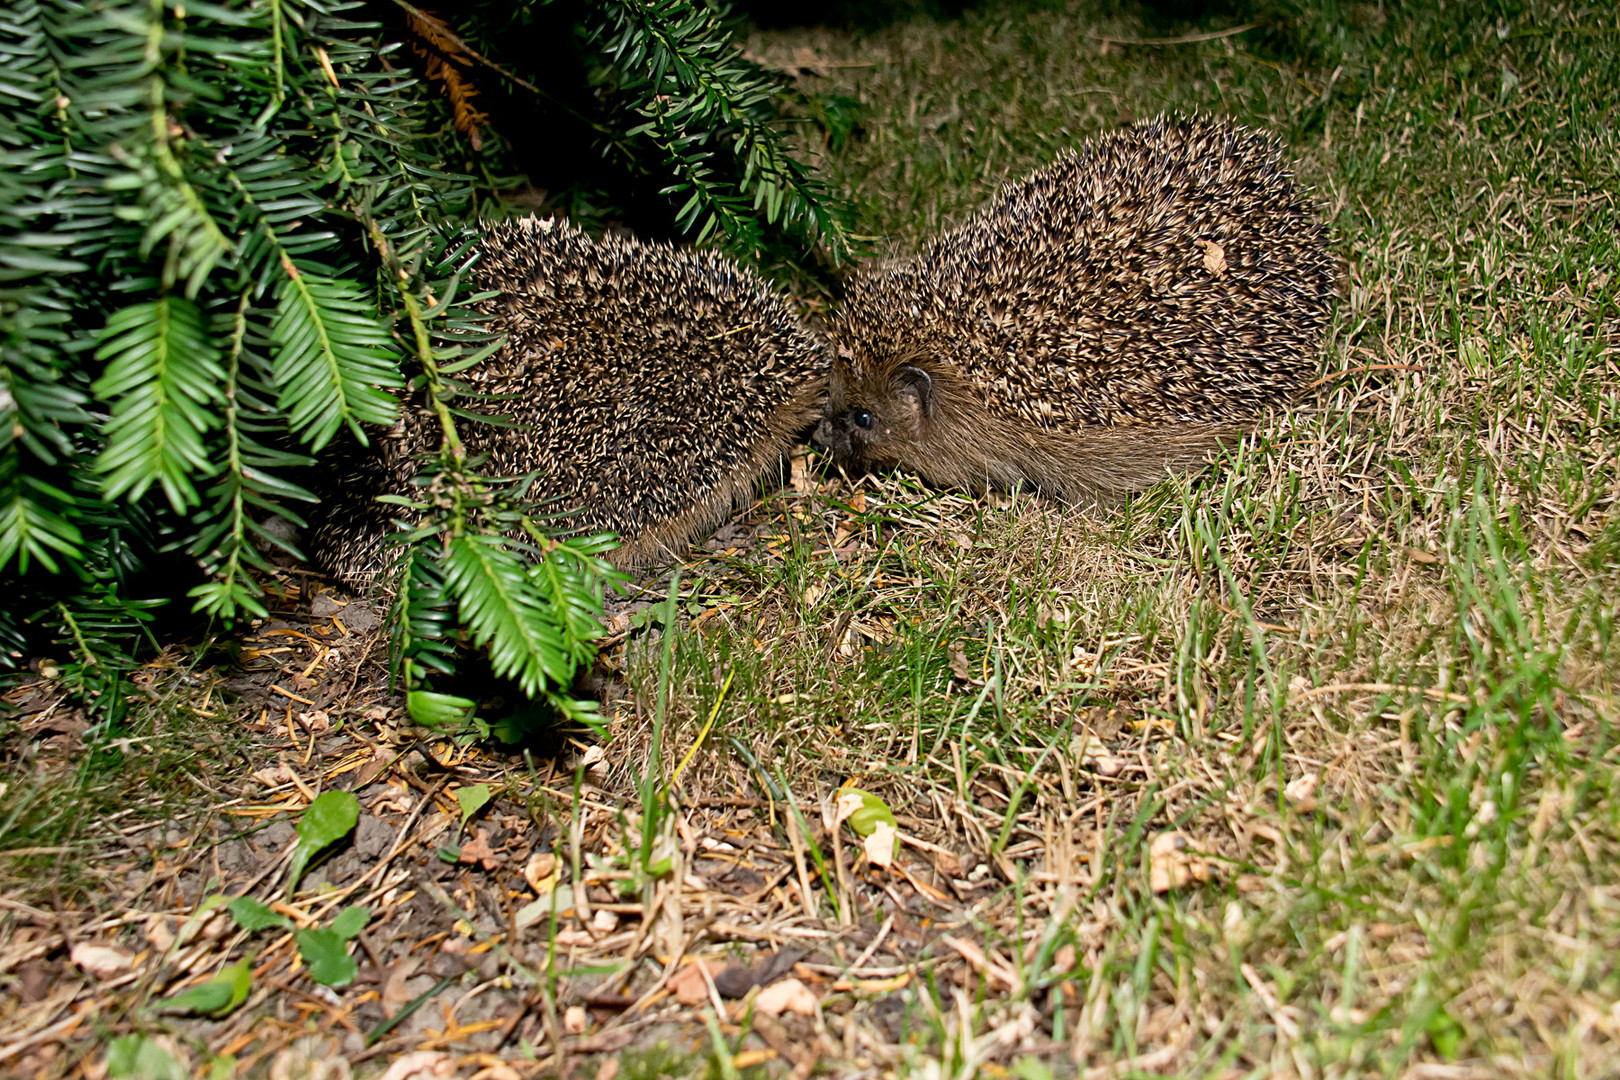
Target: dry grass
[{"x": 1301, "y": 767}]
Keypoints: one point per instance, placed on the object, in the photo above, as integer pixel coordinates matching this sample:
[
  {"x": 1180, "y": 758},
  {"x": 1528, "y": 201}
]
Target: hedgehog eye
[{"x": 862, "y": 418}]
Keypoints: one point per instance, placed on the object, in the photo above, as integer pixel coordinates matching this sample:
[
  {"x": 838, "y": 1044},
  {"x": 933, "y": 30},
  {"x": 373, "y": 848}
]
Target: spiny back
[
  {"x": 643, "y": 377},
  {"x": 1169, "y": 272},
  {"x": 649, "y": 386}
]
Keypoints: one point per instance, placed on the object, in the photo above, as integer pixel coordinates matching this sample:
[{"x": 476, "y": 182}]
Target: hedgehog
[
  {"x": 649, "y": 387},
  {"x": 1125, "y": 310}
]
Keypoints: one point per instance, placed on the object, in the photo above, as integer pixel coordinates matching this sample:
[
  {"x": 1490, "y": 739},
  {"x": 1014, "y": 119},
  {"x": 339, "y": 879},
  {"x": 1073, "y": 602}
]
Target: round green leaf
[{"x": 326, "y": 953}]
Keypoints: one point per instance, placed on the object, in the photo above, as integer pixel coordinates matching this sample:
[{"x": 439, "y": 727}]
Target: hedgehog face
[{"x": 878, "y": 419}]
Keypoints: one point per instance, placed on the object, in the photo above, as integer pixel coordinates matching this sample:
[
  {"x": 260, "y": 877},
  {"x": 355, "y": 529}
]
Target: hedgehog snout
[{"x": 833, "y": 438}]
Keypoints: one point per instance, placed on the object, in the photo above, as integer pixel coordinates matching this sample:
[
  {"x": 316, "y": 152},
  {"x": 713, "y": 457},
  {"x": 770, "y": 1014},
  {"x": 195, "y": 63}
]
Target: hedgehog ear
[{"x": 917, "y": 383}]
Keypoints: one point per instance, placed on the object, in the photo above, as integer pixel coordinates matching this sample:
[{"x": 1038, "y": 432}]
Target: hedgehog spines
[
  {"x": 646, "y": 386},
  {"x": 1168, "y": 282}
]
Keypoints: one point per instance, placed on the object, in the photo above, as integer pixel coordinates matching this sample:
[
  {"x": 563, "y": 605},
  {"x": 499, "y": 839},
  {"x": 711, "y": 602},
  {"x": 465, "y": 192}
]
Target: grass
[
  {"x": 1366, "y": 666},
  {"x": 1353, "y": 690}
]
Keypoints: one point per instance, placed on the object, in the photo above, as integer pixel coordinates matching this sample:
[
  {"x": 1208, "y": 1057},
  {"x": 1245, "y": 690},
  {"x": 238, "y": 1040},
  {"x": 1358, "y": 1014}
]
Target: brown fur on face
[
  {"x": 926, "y": 418},
  {"x": 1119, "y": 313}
]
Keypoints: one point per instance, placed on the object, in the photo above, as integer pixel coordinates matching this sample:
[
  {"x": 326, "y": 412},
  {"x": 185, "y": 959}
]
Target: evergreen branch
[
  {"x": 36, "y": 405},
  {"x": 334, "y": 361},
  {"x": 163, "y": 380},
  {"x": 503, "y": 614},
  {"x": 29, "y": 528},
  {"x": 425, "y": 622},
  {"x": 224, "y": 546},
  {"x": 162, "y": 168},
  {"x": 700, "y": 99},
  {"x": 423, "y": 352}
]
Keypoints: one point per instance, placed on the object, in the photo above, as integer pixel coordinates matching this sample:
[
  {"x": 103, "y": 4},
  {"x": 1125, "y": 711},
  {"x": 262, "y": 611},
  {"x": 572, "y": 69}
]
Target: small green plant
[
  {"x": 328, "y": 819},
  {"x": 325, "y": 948},
  {"x": 219, "y": 996},
  {"x": 140, "y": 1057},
  {"x": 471, "y": 799}
]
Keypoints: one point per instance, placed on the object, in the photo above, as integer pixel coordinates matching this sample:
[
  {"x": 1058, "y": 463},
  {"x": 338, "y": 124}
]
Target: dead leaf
[
  {"x": 380, "y": 760},
  {"x": 1301, "y": 793},
  {"x": 688, "y": 984},
  {"x": 394, "y": 994},
  {"x": 541, "y": 872},
  {"x": 880, "y": 845},
  {"x": 789, "y": 995},
  {"x": 158, "y": 933},
  {"x": 1214, "y": 257},
  {"x": 102, "y": 961},
  {"x": 315, "y": 720},
  {"x": 422, "y": 1065},
  {"x": 799, "y": 474},
  {"x": 849, "y": 801},
  {"x": 736, "y": 980},
  {"x": 478, "y": 850},
  {"x": 1172, "y": 864}
]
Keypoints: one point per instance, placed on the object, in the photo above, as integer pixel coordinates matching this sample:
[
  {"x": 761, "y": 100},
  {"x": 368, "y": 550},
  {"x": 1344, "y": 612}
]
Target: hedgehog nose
[{"x": 825, "y": 437}]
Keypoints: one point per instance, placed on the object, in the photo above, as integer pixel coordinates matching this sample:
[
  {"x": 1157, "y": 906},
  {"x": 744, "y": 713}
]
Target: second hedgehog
[
  {"x": 1118, "y": 313},
  {"x": 647, "y": 387}
]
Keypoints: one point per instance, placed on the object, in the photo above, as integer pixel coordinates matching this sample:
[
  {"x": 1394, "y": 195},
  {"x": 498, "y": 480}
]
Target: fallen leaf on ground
[
  {"x": 422, "y": 1065},
  {"x": 880, "y": 845},
  {"x": 541, "y": 872},
  {"x": 789, "y": 995},
  {"x": 380, "y": 760},
  {"x": 316, "y": 720},
  {"x": 736, "y": 980},
  {"x": 394, "y": 994},
  {"x": 478, "y": 850},
  {"x": 1172, "y": 864},
  {"x": 688, "y": 984},
  {"x": 102, "y": 961}
]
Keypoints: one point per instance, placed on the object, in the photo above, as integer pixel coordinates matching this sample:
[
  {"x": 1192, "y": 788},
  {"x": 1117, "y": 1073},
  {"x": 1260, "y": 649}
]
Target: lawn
[{"x": 1301, "y": 766}]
